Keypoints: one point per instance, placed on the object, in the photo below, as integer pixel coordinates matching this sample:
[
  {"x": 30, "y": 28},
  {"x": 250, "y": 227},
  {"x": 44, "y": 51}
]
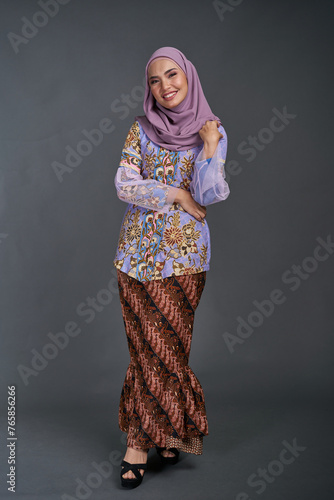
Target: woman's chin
[{"x": 171, "y": 104}]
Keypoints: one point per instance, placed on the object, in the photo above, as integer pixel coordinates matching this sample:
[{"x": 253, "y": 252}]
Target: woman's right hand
[{"x": 188, "y": 204}]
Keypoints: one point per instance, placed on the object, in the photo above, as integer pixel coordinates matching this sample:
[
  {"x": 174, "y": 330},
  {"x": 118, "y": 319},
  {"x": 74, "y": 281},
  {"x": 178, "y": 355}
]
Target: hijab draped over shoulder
[{"x": 176, "y": 128}]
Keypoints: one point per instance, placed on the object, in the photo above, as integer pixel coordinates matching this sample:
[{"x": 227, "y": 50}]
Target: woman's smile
[{"x": 170, "y": 95}]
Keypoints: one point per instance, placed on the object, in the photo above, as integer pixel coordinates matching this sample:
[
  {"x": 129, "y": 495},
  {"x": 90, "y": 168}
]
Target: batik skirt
[{"x": 162, "y": 402}]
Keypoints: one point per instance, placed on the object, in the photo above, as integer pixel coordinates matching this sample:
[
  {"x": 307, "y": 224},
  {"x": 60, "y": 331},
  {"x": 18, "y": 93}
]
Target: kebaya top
[{"x": 158, "y": 238}]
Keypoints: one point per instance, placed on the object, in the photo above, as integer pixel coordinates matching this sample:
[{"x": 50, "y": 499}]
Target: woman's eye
[{"x": 172, "y": 74}]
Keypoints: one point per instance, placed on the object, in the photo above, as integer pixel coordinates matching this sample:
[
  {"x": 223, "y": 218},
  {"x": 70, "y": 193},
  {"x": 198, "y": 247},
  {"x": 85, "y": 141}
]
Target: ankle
[{"x": 133, "y": 455}]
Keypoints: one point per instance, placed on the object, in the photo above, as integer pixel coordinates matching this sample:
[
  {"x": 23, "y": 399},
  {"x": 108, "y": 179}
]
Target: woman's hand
[
  {"x": 210, "y": 135},
  {"x": 191, "y": 206}
]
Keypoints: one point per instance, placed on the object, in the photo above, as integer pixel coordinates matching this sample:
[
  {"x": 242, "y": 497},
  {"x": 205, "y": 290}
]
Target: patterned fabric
[
  {"x": 158, "y": 238},
  {"x": 162, "y": 401}
]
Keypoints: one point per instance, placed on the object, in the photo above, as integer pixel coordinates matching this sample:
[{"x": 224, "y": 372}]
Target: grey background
[{"x": 58, "y": 240}]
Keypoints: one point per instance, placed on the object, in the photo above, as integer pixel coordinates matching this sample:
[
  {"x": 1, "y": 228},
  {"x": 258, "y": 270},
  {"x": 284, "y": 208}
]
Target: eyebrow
[{"x": 165, "y": 73}]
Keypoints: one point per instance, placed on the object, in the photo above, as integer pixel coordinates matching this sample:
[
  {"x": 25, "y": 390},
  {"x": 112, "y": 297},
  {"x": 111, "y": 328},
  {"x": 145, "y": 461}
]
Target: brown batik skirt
[{"x": 162, "y": 402}]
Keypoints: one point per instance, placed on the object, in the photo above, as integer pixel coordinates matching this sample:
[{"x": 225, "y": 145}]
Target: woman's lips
[{"x": 170, "y": 95}]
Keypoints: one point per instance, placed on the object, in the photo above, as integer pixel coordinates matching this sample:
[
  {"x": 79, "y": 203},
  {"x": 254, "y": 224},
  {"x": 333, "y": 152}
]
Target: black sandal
[
  {"x": 132, "y": 483},
  {"x": 168, "y": 460}
]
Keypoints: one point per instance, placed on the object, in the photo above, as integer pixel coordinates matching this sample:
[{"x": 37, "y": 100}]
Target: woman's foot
[
  {"x": 167, "y": 453},
  {"x": 135, "y": 457}
]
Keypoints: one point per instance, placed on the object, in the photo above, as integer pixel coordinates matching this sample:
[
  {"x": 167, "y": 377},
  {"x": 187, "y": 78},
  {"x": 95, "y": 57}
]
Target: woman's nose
[{"x": 164, "y": 85}]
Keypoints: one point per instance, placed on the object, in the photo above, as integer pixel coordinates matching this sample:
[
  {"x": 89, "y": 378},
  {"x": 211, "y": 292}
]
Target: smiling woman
[
  {"x": 168, "y": 85},
  {"x": 172, "y": 166}
]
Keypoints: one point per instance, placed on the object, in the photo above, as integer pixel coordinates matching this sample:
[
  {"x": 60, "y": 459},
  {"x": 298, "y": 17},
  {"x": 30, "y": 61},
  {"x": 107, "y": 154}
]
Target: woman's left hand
[{"x": 209, "y": 133}]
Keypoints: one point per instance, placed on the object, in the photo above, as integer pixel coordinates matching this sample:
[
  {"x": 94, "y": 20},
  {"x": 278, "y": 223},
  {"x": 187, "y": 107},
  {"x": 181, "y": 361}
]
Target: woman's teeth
[{"x": 168, "y": 96}]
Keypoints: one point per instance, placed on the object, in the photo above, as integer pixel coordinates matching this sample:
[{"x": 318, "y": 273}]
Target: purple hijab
[{"x": 177, "y": 128}]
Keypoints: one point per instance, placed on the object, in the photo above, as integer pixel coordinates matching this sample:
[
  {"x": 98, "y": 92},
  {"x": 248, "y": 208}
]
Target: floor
[{"x": 274, "y": 451}]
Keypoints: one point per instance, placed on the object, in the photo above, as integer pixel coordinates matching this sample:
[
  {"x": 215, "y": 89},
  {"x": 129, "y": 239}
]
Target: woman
[{"x": 172, "y": 166}]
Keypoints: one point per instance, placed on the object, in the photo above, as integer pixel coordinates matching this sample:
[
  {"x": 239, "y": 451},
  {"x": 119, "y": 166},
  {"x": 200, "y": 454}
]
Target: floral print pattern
[{"x": 158, "y": 238}]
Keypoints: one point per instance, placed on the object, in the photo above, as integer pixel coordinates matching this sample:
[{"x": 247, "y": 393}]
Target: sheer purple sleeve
[
  {"x": 208, "y": 184},
  {"x": 132, "y": 187}
]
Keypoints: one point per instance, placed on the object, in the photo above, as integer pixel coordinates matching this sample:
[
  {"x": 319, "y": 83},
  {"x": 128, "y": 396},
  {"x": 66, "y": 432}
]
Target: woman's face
[{"x": 168, "y": 83}]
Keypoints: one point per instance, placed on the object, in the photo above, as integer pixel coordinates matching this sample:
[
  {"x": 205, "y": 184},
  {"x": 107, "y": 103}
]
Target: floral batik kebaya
[{"x": 158, "y": 238}]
